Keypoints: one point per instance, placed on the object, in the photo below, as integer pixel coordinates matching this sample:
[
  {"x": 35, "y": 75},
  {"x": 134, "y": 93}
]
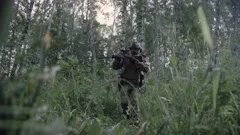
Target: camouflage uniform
[{"x": 129, "y": 81}]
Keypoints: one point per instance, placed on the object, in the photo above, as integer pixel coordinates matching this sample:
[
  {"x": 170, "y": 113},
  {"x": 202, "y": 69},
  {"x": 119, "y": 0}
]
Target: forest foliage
[{"x": 52, "y": 80}]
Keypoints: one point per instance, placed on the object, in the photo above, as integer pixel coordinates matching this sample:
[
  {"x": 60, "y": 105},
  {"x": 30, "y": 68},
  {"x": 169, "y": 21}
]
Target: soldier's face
[{"x": 134, "y": 51}]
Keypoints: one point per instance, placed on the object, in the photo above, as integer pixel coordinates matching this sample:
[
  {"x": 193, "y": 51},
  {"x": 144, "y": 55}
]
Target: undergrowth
[{"x": 183, "y": 104}]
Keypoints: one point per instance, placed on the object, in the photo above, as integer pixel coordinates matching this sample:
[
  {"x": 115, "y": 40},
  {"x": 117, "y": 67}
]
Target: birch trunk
[
  {"x": 235, "y": 40},
  {"x": 141, "y": 21},
  {"x": 45, "y": 44},
  {"x": 26, "y": 38},
  {"x": 217, "y": 32},
  {"x": 91, "y": 36},
  {"x": 178, "y": 19},
  {"x": 5, "y": 16},
  {"x": 156, "y": 41},
  {"x": 178, "y": 50},
  {"x": 10, "y": 45},
  {"x": 124, "y": 15},
  {"x": 18, "y": 58}
]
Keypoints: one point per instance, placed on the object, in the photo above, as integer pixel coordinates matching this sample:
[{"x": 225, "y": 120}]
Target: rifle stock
[
  {"x": 113, "y": 56},
  {"x": 105, "y": 57}
]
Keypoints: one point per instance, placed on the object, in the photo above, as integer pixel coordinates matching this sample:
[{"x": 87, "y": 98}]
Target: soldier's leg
[
  {"x": 133, "y": 104},
  {"x": 124, "y": 100}
]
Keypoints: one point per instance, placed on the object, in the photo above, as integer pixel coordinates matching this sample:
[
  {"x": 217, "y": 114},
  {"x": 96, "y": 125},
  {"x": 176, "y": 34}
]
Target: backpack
[{"x": 141, "y": 79}]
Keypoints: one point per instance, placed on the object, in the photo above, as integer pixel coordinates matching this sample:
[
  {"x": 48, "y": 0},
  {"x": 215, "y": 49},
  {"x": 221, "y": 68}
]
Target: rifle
[
  {"x": 113, "y": 56},
  {"x": 136, "y": 59},
  {"x": 123, "y": 53}
]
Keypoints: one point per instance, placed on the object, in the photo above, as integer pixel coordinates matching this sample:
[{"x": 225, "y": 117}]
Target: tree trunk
[
  {"x": 140, "y": 20},
  {"x": 217, "y": 33},
  {"x": 178, "y": 16},
  {"x": 20, "y": 53},
  {"x": 124, "y": 15},
  {"x": 44, "y": 46},
  {"x": 7, "y": 60},
  {"x": 5, "y": 17},
  {"x": 91, "y": 36},
  {"x": 178, "y": 49},
  {"x": 235, "y": 40}
]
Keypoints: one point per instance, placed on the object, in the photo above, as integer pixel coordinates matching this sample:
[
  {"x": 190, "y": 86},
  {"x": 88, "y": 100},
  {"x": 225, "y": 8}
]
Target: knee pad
[{"x": 124, "y": 107}]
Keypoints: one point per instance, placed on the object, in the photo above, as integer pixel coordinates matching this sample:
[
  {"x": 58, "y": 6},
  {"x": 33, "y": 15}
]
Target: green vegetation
[{"x": 52, "y": 81}]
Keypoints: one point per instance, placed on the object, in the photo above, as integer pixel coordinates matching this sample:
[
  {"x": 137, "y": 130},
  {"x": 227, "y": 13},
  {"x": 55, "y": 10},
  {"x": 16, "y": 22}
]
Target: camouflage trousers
[{"x": 128, "y": 96}]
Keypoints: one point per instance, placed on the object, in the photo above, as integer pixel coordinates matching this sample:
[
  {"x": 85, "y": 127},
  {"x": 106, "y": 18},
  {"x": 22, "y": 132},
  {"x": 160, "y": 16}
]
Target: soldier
[{"x": 131, "y": 65}]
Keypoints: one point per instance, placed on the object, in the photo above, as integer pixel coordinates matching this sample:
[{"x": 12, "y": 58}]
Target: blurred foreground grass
[{"x": 73, "y": 102}]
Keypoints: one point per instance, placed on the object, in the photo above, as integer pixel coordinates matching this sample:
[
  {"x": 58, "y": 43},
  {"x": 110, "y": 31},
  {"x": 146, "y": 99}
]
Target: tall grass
[
  {"x": 72, "y": 103},
  {"x": 179, "y": 106},
  {"x": 76, "y": 102}
]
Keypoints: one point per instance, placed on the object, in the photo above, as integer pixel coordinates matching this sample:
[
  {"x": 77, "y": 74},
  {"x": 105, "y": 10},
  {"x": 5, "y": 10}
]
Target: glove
[
  {"x": 132, "y": 59},
  {"x": 117, "y": 57},
  {"x": 139, "y": 64}
]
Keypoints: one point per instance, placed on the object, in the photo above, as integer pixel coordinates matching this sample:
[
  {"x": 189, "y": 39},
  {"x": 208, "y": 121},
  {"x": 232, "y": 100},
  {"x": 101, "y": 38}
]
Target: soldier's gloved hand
[
  {"x": 132, "y": 59},
  {"x": 117, "y": 57},
  {"x": 139, "y": 64}
]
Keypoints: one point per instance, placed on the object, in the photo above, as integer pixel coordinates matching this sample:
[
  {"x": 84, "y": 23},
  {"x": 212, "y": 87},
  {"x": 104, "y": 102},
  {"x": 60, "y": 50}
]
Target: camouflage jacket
[{"x": 130, "y": 70}]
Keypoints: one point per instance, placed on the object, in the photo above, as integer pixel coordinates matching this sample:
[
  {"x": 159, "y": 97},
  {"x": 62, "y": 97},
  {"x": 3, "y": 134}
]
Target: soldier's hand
[
  {"x": 132, "y": 59},
  {"x": 117, "y": 57},
  {"x": 139, "y": 64}
]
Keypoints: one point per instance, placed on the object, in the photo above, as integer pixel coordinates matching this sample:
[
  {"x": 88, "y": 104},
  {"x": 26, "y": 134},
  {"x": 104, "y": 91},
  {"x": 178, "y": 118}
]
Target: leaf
[
  {"x": 47, "y": 39},
  {"x": 216, "y": 78},
  {"x": 95, "y": 128},
  {"x": 174, "y": 28},
  {"x": 204, "y": 27},
  {"x": 143, "y": 111},
  {"x": 203, "y": 104},
  {"x": 202, "y": 127},
  {"x": 151, "y": 82},
  {"x": 114, "y": 130},
  {"x": 173, "y": 61},
  {"x": 36, "y": 43}
]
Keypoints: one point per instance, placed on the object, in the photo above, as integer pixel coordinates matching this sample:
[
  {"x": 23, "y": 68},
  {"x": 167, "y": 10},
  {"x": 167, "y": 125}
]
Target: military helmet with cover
[{"x": 135, "y": 45}]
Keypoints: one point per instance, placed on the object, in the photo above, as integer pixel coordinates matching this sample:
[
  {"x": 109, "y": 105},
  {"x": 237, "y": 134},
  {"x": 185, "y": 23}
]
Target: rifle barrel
[{"x": 105, "y": 57}]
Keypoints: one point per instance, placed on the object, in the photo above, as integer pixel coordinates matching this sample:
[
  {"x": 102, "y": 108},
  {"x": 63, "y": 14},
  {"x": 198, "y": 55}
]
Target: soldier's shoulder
[{"x": 144, "y": 56}]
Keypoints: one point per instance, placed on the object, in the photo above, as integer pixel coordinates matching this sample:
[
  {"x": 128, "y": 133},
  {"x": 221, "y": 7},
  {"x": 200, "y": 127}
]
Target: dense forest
[{"x": 54, "y": 80}]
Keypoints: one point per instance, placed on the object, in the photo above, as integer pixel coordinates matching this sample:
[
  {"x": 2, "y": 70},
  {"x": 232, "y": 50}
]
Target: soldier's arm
[
  {"x": 144, "y": 66},
  {"x": 117, "y": 64}
]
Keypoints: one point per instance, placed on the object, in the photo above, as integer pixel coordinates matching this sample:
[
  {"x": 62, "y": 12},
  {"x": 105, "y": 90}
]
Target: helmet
[{"x": 135, "y": 45}]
